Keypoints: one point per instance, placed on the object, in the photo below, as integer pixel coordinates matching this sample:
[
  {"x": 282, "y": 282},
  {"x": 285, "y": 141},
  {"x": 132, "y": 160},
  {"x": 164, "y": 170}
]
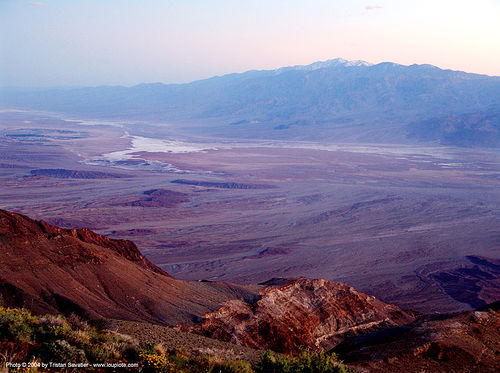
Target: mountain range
[{"x": 335, "y": 101}]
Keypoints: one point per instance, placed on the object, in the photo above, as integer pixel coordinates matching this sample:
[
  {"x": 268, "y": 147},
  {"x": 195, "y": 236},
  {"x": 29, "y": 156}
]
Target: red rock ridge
[
  {"x": 17, "y": 223},
  {"x": 316, "y": 314},
  {"x": 53, "y": 270}
]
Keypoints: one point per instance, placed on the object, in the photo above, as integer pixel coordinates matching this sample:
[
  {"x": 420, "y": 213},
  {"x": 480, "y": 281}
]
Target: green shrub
[
  {"x": 17, "y": 324},
  {"x": 61, "y": 351},
  {"x": 270, "y": 363},
  {"x": 54, "y": 338},
  {"x": 232, "y": 367},
  {"x": 304, "y": 362}
]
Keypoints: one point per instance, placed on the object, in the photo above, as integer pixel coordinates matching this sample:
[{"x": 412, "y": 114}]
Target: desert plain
[{"x": 418, "y": 226}]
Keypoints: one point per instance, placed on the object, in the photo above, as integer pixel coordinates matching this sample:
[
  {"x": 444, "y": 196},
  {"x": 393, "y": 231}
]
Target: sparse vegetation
[
  {"x": 232, "y": 367},
  {"x": 305, "y": 362},
  {"x": 25, "y": 337},
  {"x": 50, "y": 338}
]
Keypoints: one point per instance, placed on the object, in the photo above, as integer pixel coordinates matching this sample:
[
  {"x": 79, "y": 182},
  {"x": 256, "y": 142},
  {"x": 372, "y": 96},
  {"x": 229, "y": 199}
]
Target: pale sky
[{"x": 95, "y": 42}]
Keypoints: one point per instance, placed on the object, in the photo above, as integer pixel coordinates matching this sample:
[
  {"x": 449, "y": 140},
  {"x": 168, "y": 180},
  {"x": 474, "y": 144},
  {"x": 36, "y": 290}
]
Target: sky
[{"x": 123, "y": 42}]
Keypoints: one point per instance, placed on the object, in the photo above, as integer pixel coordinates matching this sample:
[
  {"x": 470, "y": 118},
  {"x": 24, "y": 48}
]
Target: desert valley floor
[{"x": 416, "y": 226}]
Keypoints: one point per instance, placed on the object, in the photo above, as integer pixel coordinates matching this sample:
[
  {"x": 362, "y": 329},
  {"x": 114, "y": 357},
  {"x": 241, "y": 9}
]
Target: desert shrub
[
  {"x": 60, "y": 351},
  {"x": 56, "y": 338},
  {"x": 16, "y": 324},
  {"x": 52, "y": 327},
  {"x": 77, "y": 322},
  {"x": 270, "y": 363},
  {"x": 53, "y": 321},
  {"x": 130, "y": 352},
  {"x": 231, "y": 367},
  {"x": 99, "y": 324},
  {"x": 304, "y": 362},
  {"x": 188, "y": 364},
  {"x": 319, "y": 362},
  {"x": 147, "y": 348},
  {"x": 13, "y": 328}
]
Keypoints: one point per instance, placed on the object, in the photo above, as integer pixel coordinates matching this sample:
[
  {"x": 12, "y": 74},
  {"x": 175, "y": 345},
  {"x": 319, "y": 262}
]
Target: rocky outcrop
[
  {"x": 316, "y": 314},
  {"x": 461, "y": 342}
]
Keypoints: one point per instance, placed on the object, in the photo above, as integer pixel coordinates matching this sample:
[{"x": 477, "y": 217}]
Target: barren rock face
[{"x": 316, "y": 314}]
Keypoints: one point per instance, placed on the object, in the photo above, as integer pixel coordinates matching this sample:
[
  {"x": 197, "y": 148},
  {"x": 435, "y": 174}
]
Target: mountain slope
[
  {"x": 338, "y": 99},
  {"x": 49, "y": 269}
]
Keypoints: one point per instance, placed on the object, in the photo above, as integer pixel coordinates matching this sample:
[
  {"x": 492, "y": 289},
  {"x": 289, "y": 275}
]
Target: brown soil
[{"x": 192, "y": 344}]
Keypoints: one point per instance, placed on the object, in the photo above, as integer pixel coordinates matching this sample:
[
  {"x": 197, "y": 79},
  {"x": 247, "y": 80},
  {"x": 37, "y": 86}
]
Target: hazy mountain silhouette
[{"x": 330, "y": 100}]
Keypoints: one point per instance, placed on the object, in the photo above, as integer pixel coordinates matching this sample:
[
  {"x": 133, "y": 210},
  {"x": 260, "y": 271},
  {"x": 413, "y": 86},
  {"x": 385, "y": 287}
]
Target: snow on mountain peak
[{"x": 324, "y": 64}]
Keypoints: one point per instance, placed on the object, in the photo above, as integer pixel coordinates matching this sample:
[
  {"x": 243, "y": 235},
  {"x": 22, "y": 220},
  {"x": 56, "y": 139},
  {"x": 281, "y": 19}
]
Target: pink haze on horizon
[{"x": 55, "y": 42}]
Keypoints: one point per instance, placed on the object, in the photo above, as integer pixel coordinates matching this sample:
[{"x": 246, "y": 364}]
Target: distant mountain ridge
[{"x": 334, "y": 100}]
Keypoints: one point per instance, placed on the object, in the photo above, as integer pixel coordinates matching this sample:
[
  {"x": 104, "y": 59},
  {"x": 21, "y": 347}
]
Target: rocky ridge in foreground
[{"x": 312, "y": 313}]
